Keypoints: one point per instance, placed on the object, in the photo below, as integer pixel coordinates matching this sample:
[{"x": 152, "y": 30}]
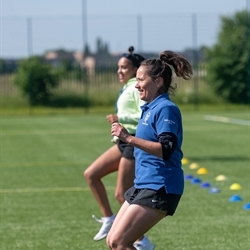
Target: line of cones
[{"x": 213, "y": 190}]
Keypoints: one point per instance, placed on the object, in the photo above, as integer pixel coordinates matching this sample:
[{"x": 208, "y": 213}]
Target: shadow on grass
[{"x": 220, "y": 158}]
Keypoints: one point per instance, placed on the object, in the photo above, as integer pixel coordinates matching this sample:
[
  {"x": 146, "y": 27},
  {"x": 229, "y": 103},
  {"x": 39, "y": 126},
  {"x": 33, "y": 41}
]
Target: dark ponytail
[
  {"x": 169, "y": 63},
  {"x": 180, "y": 64}
]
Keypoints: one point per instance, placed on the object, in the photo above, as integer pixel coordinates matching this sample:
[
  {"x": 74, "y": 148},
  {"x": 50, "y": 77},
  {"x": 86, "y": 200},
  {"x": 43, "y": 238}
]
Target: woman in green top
[{"x": 121, "y": 155}]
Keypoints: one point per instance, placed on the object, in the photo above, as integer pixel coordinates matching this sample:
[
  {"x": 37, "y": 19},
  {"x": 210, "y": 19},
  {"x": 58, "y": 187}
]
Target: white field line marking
[
  {"x": 42, "y": 190},
  {"x": 226, "y": 120}
]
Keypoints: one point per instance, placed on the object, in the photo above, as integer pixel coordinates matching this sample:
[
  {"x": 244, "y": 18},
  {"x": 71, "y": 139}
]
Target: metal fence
[{"x": 101, "y": 87}]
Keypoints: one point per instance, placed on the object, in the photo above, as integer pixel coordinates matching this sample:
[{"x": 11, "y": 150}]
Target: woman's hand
[
  {"x": 118, "y": 130},
  {"x": 112, "y": 118}
]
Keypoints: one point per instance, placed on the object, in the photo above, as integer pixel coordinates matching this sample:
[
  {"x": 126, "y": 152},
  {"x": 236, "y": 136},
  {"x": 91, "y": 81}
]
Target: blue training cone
[
  {"x": 214, "y": 190},
  {"x": 247, "y": 206},
  {"x": 235, "y": 198},
  {"x": 188, "y": 177},
  {"x": 196, "y": 181},
  {"x": 205, "y": 185}
]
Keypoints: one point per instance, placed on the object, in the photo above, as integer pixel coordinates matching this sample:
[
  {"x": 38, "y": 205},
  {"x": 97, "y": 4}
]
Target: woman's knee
[
  {"x": 111, "y": 242},
  {"x": 108, "y": 242},
  {"x": 117, "y": 242},
  {"x": 88, "y": 175}
]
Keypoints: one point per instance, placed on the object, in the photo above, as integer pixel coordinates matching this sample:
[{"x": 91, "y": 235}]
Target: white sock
[{"x": 112, "y": 217}]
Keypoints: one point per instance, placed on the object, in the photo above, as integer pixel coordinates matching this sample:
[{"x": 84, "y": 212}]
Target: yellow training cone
[
  {"x": 235, "y": 186},
  {"x": 184, "y": 161},
  {"x": 202, "y": 171},
  {"x": 221, "y": 178},
  {"x": 193, "y": 165}
]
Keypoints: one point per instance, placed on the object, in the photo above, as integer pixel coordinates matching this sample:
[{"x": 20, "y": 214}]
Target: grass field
[{"x": 46, "y": 204}]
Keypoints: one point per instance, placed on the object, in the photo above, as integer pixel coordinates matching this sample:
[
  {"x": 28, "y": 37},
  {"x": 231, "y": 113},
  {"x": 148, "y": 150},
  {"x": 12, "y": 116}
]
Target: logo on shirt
[
  {"x": 146, "y": 119},
  {"x": 169, "y": 121},
  {"x": 155, "y": 201}
]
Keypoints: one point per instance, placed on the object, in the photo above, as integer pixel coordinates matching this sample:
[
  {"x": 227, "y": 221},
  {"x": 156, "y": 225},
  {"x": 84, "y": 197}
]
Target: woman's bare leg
[
  {"x": 105, "y": 164},
  {"x": 131, "y": 222},
  {"x": 125, "y": 178}
]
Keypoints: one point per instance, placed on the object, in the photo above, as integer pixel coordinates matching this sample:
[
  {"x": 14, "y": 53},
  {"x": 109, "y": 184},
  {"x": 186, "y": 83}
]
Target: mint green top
[{"x": 128, "y": 106}]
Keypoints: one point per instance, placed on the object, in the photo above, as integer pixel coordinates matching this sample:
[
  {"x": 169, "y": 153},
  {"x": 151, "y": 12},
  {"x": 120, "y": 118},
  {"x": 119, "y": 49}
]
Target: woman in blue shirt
[
  {"x": 119, "y": 157},
  {"x": 159, "y": 181}
]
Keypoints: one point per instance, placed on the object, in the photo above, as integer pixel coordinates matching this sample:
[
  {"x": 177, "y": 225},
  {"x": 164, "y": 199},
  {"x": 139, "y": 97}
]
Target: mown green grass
[{"x": 46, "y": 204}]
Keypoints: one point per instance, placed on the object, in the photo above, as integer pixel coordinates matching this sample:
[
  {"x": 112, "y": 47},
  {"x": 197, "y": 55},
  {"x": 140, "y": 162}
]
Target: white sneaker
[
  {"x": 106, "y": 225},
  {"x": 144, "y": 244}
]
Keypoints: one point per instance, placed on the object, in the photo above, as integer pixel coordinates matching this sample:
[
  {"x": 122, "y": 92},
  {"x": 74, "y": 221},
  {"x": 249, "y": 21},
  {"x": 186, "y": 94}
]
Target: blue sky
[
  {"x": 96, "y": 7},
  {"x": 57, "y": 23}
]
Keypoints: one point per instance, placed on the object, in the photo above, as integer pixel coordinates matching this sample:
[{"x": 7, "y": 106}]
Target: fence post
[
  {"x": 139, "y": 33},
  {"x": 195, "y": 62},
  {"x": 29, "y": 36},
  {"x": 84, "y": 24}
]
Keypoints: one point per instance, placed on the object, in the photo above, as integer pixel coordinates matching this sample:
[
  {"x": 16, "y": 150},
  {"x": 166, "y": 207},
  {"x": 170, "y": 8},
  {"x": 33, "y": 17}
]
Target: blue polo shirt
[{"x": 159, "y": 116}]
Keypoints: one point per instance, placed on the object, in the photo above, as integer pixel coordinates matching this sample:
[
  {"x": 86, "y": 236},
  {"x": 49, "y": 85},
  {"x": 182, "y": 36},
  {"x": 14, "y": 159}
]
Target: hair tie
[
  {"x": 134, "y": 58},
  {"x": 172, "y": 69}
]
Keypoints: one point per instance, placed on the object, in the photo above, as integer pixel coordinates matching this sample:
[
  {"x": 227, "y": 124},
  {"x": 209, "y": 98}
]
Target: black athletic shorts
[
  {"x": 158, "y": 199},
  {"x": 126, "y": 150}
]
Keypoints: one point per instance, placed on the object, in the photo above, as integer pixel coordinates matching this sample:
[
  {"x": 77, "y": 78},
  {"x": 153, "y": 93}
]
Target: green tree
[
  {"x": 228, "y": 61},
  {"x": 36, "y": 80}
]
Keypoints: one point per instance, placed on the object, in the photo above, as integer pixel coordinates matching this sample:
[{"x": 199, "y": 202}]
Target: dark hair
[
  {"x": 162, "y": 67},
  {"x": 136, "y": 59}
]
